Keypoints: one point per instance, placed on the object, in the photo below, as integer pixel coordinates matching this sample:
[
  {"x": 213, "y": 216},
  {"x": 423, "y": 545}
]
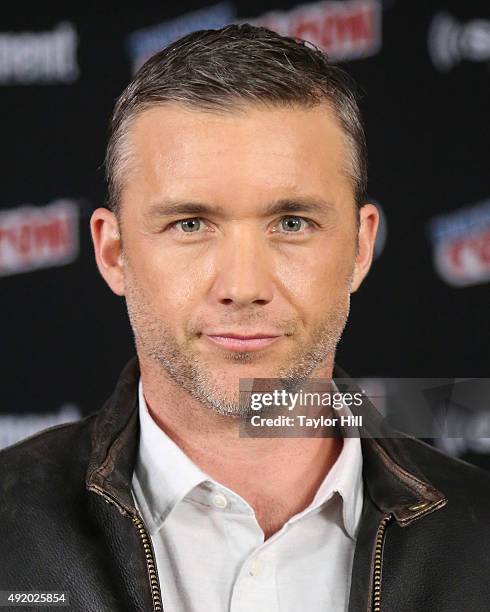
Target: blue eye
[
  {"x": 190, "y": 225},
  {"x": 291, "y": 224}
]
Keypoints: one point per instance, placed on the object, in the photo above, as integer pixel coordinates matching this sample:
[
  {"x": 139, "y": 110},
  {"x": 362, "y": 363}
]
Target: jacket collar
[{"x": 393, "y": 481}]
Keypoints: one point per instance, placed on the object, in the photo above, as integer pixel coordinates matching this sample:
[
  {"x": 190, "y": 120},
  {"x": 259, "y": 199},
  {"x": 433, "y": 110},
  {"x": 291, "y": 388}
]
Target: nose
[{"x": 244, "y": 269}]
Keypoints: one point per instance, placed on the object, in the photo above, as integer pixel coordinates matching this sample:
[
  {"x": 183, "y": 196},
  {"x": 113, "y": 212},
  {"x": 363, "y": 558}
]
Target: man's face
[{"x": 237, "y": 224}]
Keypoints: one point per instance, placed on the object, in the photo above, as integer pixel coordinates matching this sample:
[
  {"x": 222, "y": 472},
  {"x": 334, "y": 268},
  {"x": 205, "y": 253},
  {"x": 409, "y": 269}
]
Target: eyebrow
[{"x": 169, "y": 208}]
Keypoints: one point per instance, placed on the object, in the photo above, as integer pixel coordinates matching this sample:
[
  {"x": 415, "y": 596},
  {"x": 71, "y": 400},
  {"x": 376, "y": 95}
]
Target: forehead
[{"x": 176, "y": 150}]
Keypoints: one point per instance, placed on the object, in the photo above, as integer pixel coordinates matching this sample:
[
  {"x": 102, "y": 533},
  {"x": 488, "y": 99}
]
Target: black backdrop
[{"x": 424, "y": 68}]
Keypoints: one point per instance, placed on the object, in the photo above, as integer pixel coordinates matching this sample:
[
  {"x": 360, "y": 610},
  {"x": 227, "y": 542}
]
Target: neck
[{"x": 291, "y": 469}]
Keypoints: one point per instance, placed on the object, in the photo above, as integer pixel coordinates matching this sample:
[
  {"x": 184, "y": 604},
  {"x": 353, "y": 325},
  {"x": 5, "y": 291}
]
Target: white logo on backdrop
[
  {"x": 39, "y": 58},
  {"x": 450, "y": 42},
  {"x": 17, "y": 427}
]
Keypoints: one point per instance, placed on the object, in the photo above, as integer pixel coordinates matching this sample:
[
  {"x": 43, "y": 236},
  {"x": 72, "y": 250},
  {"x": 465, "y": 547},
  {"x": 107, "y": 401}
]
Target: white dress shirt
[{"x": 210, "y": 550}]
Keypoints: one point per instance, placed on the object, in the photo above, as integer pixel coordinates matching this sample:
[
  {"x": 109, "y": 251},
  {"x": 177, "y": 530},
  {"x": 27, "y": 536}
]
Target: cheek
[
  {"x": 170, "y": 282},
  {"x": 320, "y": 276},
  {"x": 174, "y": 291}
]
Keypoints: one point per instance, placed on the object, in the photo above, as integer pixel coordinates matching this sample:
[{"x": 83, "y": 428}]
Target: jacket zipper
[
  {"x": 378, "y": 562},
  {"x": 150, "y": 563},
  {"x": 145, "y": 538}
]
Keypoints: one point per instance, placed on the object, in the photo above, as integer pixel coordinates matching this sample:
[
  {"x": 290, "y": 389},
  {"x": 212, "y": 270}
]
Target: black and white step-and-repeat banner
[{"x": 423, "y": 311}]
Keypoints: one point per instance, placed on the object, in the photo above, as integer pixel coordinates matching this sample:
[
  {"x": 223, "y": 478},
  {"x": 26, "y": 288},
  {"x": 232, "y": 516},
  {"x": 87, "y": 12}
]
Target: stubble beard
[{"x": 157, "y": 342}]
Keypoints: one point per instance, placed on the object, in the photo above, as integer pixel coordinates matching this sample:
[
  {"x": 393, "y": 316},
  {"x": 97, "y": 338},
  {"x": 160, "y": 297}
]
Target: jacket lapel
[{"x": 393, "y": 483}]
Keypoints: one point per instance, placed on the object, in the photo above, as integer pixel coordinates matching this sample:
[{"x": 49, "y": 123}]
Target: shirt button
[
  {"x": 220, "y": 501},
  {"x": 256, "y": 567}
]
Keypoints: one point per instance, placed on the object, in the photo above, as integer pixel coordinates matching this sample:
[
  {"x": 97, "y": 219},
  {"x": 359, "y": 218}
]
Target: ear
[
  {"x": 368, "y": 226},
  {"x": 108, "y": 248}
]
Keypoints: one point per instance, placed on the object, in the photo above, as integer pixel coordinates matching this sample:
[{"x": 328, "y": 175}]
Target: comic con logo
[
  {"x": 450, "y": 42},
  {"x": 461, "y": 245},
  {"x": 345, "y": 30},
  {"x": 34, "y": 237}
]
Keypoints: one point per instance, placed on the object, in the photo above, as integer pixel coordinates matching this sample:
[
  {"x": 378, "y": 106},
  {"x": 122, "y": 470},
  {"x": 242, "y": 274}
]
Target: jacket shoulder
[
  {"x": 56, "y": 455},
  {"x": 464, "y": 484}
]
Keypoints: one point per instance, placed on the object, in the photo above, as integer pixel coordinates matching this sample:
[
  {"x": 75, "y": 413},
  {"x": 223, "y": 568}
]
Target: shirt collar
[
  {"x": 164, "y": 474},
  {"x": 345, "y": 478}
]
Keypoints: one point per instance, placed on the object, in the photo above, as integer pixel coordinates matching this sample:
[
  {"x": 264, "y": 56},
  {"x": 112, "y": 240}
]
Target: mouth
[{"x": 241, "y": 342}]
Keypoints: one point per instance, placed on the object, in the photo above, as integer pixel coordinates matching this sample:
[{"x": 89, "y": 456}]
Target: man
[{"x": 237, "y": 230}]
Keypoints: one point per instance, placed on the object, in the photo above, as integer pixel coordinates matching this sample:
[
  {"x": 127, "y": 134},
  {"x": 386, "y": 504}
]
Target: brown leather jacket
[{"x": 68, "y": 520}]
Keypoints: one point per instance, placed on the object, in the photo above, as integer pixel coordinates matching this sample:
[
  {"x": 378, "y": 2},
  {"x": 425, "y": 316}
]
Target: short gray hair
[{"x": 216, "y": 70}]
